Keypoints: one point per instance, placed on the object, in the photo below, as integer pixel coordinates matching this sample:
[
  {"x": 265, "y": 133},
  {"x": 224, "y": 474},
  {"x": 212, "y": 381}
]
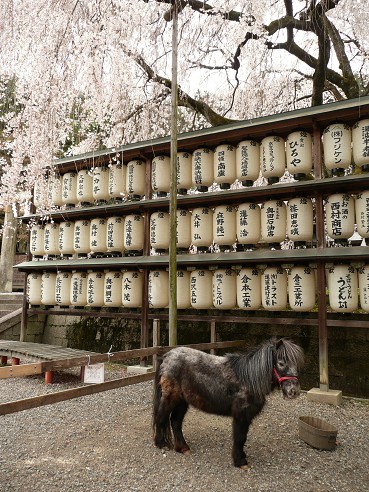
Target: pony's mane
[
  {"x": 287, "y": 350},
  {"x": 254, "y": 368}
]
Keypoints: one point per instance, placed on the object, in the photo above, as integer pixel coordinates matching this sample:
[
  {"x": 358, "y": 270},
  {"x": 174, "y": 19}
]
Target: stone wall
[
  {"x": 348, "y": 347},
  {"x": 35, "y": 329}
]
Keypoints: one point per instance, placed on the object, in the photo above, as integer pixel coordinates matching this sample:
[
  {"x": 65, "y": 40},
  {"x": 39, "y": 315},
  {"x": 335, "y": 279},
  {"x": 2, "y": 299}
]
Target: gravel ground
[{"x": 104, "y": 443}]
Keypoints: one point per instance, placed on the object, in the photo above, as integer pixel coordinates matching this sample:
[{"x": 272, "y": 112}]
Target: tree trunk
[{"x": 9, "y": 239}]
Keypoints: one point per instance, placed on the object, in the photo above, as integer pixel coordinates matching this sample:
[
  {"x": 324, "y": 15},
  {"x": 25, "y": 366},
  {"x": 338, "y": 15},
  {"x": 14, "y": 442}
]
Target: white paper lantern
[
  {"x": 184, "y": 172},
  {"x": 117, "y": 181},
  {"x": 36, "y": 241},
  {"x": 132, "y": 285},
  {"x": 224, "y": 226},
  {"x": 202, "y": 169},
  {"x": 158, "y": 289},
  {"x": 340, "y": 216},
  {"x": 136, "y": 179},
  {"x": 248, "y": 162},
  {"x": 62, "y": 288},
  {"x": 82, "y": 237},
  {"x": 362, "y": 214},
  {"x": 98, "y": 236},
  {"x": 337, "y": 147},
  {"x": 49, "y": 190},
  {"x": 85, "y": 184},
  {"x": 363, "y": 275},
  {"x": 113, "y": 289},
  {"x": 224, "y": 288},
  {"x": 78, "y": 289},
  {"x": 299, "y": 154},
  {"x": 100, "y": 188},
  {"x": 225, "y": 165},
  {"x": 248, "y": 224},
  {"x": 301, "y": 288},
  {"x": 160, "y": 175},
  {"x": 343, "y": 288},
  {"x": 273, "y": 158},
  {"x": 66, "y": 238},
  {"x": 159, "y": 231},
  {"x": 95, "y": 289},
  {"x": 115, "y": 235},
  {"x": 273, "y": 221},
  {"x": 202, "y": 228},
  {"x": 51, "y": 239},
  {"x": 274, "y": 289},
  {"x": 183, "y": 240},
  {"x": 201, "y": 289},
  {"x": 360, "y": 144},
  {"x": 48, "y": 282},
  {"x": 40, "y": 192},
  {"x": 56, "y": 185},
  {"x": 69, "y": 189},
  {"x": 133, "y": 234},
  {"x": 248, "y": 288},
  {"x": 183, "y": 289},
  {"x": 300, "y": 220},
  {"x": 33, "y": 289}
]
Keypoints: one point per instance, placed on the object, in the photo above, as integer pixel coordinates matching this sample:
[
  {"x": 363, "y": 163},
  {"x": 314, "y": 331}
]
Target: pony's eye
[{"x": 281, "y": 364}]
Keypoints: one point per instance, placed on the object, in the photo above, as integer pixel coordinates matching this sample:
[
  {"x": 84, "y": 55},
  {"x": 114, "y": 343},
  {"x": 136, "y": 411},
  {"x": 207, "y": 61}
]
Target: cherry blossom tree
[
  {"x": 92, "y": 73},
  {"x": 238, "y": 59}
]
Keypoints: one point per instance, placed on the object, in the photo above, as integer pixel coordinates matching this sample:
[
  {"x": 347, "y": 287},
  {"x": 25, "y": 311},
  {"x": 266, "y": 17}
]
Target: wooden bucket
[{"x": 317, "y": 433}]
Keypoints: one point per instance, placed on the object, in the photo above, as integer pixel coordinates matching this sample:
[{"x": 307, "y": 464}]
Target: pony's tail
[{"x": 160, "y": 416}]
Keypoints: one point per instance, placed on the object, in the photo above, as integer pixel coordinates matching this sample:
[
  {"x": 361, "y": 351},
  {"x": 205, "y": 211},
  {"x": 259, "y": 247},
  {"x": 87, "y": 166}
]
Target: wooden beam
[
  {"x": 48, "y": 399},
  {"x": 53, "y": 365},
  {"x": 20, "y": 371}
]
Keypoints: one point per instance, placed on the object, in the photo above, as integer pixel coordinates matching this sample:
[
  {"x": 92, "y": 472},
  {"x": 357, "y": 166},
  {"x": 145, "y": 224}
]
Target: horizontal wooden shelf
[
  {"x": 238, "y": 316},
  {"x": 350, "y": 111},
  {"x": 284, "y": 191},
  {"x": 244, "y": 258}
]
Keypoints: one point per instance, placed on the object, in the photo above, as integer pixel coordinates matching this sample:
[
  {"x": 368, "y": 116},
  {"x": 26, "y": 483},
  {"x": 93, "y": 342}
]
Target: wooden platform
[{"x": 37, "y": 352}]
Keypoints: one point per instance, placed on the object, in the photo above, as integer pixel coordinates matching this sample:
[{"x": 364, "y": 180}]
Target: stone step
[
  {"x": 9, "y": 320},
  {"x": 4, "y": 313},
  {"x": 11, "y": 296},
  {"x": 10, "y": 306},
  {"x": 10, "y": 302}
]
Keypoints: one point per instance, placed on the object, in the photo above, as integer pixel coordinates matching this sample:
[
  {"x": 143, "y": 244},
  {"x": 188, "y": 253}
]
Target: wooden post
[
  {"x": 173, "y": 340},
  {"x": 49, "y": 377},
  {"x": 321, "y": 281},
  {"x": 213, "y": 334},
  {"x": 145, "y": 287},
  {"x": 24, "y": 319},
  {"x": 144, "y": 315},
  {"x": 155, "y": 339}
]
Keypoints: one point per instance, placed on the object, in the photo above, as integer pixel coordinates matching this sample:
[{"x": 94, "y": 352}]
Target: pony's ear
[{"x": 279, "y": 343}]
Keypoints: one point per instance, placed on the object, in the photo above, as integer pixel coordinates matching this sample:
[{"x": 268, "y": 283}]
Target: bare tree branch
[{"x": 184, "y": 99}]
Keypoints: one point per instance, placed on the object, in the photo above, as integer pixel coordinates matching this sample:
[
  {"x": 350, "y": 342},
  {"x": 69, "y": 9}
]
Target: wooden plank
[
  {"x": 50, "y": 398},
  {"x": 214, "y": 345},
  {"x": 20, "y": 371},
  {"x": 53, "y": 365},
  {"x": 96, "y": 358}
]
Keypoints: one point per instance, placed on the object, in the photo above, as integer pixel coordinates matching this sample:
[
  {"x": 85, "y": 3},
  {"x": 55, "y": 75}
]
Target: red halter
[{"x": 283, "y": 378}]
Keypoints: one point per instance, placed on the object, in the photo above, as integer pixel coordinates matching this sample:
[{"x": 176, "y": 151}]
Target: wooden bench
[{"x": 36, "y": 352}]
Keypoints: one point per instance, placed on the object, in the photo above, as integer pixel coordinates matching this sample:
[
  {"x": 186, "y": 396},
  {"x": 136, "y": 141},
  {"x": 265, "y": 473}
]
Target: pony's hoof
[
  {"x": 244, "y": 467},
  {"x": 187, "y": 452}
]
